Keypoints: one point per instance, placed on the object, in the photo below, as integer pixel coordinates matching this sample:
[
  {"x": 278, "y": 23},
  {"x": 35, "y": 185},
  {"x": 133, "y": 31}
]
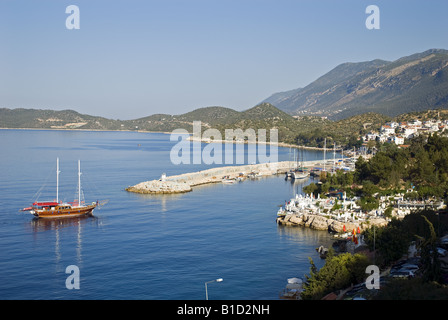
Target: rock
[
  {"x": 323, "y": 252},
  {"x": 319, "y": 222},
  {"x": 379, "y": 222},
  {"x": 315, "y": 221},
  {"x": 160, "y": 187},
  {"x": 338, "y": 226},
  {"x": 295, "y": 219}
]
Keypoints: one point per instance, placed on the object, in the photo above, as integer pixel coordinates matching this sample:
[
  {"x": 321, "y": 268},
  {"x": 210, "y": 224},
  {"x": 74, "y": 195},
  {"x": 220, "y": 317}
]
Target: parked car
[
  {"x": 409, "y": 266},
  {"x": 403, "y": 274}
]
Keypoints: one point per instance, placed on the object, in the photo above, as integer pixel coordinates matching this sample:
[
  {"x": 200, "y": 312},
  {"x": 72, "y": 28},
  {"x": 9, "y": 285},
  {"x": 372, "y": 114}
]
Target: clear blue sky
[{"x": 133, "y": 58}]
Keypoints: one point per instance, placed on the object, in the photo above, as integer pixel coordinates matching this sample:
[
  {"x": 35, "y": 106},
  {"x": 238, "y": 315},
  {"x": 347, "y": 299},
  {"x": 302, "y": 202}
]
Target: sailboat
[
  {"x": 58, "y": 209},
  {"x": 300, "y": 173}
]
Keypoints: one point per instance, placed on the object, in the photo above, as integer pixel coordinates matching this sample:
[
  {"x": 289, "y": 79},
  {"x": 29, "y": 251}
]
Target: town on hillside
[
  {"x": 386, "y": 202},
  {"x": 398, "y": 133}
]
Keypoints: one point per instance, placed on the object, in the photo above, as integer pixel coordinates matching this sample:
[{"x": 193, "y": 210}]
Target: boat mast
[
  {"x": 57, "y": 180},
  {"x": 334, "y": 155},
  {"x": 79, "y": 183},
  {"x": 325, "y": 149}
]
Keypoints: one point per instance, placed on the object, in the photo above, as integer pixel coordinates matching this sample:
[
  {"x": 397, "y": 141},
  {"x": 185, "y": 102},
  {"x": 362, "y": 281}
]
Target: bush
[{"x": 339, "y": 272}]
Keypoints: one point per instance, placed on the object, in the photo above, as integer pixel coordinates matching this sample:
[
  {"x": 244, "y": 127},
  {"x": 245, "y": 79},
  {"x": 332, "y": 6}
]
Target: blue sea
[{"x": 151, "y": 247}]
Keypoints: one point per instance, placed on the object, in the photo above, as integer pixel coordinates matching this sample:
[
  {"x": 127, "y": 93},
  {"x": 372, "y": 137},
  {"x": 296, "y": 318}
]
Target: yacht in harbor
[
  {"x": 59, "y": 209},
  {"x": 299, "y": 174}
]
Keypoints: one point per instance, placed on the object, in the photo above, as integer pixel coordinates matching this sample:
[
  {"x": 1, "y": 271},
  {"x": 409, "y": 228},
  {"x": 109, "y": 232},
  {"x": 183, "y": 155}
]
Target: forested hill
[
  {"x": 304, "y": 130},
  {"x": 209, "y": 116}
]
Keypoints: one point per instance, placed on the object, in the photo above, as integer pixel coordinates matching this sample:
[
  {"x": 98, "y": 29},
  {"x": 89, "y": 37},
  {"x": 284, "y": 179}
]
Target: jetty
[{"x": 226, "y": 174}]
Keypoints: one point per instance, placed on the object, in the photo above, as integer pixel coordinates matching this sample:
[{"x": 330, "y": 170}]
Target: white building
[
  {"x": 398, "y": 140},
  {"x": 371, "y": 136},
  {"x": 387, "y": 130},
  {"x": 393, "y": 124},
  {"x": 410, "y": 132}
]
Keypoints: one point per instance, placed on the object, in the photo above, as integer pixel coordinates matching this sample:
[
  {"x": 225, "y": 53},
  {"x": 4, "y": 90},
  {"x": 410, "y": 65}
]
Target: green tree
[
  {"x": 380, "y": 168},
  {"x": 362, "y": 171},
  {"x": 348, "y": 178},
  {"x": 368, "y": 203},
  {"x": 369, "y": 189},
  {"x": 422, "y": 171},
  {"x": 311, "y": 188},
  {"x": 339, "y": 272},
  {"x": 429, "y": 254},
  {"x": 390, "y": 242}
]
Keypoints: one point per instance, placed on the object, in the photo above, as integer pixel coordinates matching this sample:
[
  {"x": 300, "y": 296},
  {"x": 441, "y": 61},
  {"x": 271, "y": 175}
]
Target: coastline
[
  {"x": 320, "y": 222},
  {"x": 85, "y": 130},
  {"x": 279, "y": 144},
  {"x": 190, "y": 138}
]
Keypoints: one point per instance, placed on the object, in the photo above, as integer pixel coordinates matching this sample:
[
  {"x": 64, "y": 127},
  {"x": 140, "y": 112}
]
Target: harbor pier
[{"x": 225, "y": 174}]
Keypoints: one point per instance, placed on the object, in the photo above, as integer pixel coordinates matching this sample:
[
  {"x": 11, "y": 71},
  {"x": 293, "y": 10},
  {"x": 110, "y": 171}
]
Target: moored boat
[
  {"x": 59, "y": 209},
  {"x": 299, "y": 174},
  {"x": 227, "y": 179}
]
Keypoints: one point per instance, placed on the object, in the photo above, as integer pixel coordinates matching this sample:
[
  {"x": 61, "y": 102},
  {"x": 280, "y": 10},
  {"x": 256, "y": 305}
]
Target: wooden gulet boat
[{"x": 59, "y": 209}]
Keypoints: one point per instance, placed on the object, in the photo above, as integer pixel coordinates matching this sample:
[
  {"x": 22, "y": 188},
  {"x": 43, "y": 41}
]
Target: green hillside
[{"x": 303, "y": 130}]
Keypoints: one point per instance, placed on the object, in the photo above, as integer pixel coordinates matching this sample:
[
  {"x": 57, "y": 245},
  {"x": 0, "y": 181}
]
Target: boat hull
[
  {"x": 300, "y": 175},
  {"x": 64, "y": 213}
]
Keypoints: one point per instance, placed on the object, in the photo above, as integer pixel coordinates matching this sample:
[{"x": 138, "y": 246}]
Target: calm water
[{"x": 141, "y": 246}]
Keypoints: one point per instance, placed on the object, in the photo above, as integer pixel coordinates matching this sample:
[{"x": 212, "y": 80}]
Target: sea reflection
[
  {"x": 74, "y": 226},
  {"x": 305, "y": 234},
  {"x": 40, "y": 225}
]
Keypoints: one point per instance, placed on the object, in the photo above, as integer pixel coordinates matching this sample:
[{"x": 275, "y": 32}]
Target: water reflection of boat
[
  {"x": 57, "y": 224},
  {"x": 61, "y": 228}
]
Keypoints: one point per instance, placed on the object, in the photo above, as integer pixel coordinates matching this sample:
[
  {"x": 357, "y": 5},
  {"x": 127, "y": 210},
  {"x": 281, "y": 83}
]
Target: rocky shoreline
[
  {"x": 160, "y": 187},
  {"x": 319, "y": 222}
]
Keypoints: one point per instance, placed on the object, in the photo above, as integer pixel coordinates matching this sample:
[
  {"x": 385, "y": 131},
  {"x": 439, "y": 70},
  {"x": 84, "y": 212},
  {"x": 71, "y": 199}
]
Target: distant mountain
[
  {"x": 302, "y": 130},
  {"x": 51, "y": 119},
  {"x": 265, "y": 111},
  {"x": 414, "y": 83},
  {"x": 209, "y": 117}
]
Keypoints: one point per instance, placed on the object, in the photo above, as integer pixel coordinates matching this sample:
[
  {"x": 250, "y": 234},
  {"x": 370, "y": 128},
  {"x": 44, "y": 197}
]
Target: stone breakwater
[
  {"x": 185, "y": 182},
  {"x": 319, "y": 222},
  {"x": 160, "y": 187}
]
